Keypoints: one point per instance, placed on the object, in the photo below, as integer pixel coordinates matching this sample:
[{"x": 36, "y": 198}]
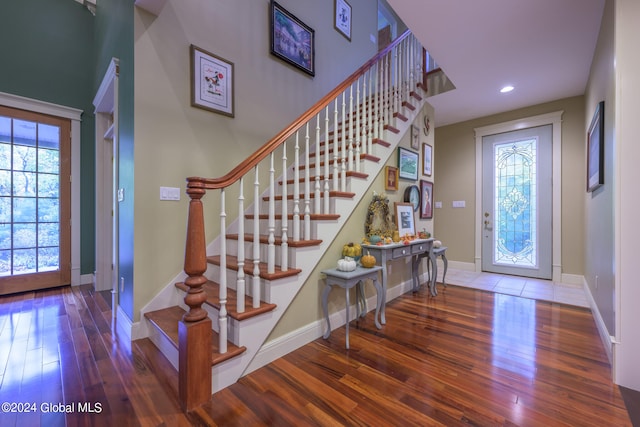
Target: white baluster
[
  {"x": 296, "y": 192},
  {"x": 335, "y": 146},
  {"x": 396, "y": 92},
  {"x": 350, "y": 150},
  {"x": 284, "y": 246},
  {"x": 222, "y": 315},
  {"x": 376, "y": 100},
  {"x": 343, "y": 146},
  {"x": 307, "y": 191},
  {"x": 357, "y": 129},
  {"x": 255, "y": 283},
  {"x": 316, "y": 187},
  {"x": 271, "y": 247},
  {"x": 327, "y": 160},
  {"x": 240, "y": 282}
]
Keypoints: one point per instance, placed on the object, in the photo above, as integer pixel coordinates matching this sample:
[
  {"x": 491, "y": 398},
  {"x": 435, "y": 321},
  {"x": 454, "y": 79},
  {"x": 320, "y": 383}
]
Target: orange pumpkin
[{"x": 368, "y": 260}]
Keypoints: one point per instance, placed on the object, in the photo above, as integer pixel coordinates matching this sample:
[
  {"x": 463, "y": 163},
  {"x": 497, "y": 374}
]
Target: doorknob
[{"x": 486, "y": 214}]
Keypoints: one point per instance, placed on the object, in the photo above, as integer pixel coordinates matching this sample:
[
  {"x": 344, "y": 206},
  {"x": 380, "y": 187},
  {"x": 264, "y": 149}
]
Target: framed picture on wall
[
  {"x": 342, "y": 21},
  {"x": 426, "y": 195},
  {"x": 427, "y": 159},
  {"x": 408, "y": 164},
  {"x": 391, "y": 178},
  {"x": 292, "y": 40},
  {"x": 211, "y": 82},
  {"x": 595, "y": 149}
]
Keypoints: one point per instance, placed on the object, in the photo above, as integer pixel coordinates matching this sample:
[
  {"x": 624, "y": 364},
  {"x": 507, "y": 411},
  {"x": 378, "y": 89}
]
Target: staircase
[{"x": 302, "y": 187}]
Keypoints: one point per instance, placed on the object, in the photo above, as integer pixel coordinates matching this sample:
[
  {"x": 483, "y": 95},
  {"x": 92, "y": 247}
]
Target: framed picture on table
[{"x": 405, "y": 221}]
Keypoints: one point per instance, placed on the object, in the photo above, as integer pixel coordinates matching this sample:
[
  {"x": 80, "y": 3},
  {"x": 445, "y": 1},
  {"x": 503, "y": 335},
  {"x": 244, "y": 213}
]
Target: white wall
[{"x": 627, "y": 203}]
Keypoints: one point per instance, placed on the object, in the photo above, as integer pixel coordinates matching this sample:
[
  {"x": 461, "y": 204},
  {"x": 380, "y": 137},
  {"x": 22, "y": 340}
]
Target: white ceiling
[{"x": 542, "y": 47}]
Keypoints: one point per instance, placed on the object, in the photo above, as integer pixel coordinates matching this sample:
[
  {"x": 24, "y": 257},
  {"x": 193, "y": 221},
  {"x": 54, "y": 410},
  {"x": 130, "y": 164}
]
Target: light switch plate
[
  {"x": 169, "y": 193},
  {"x": 438, "y": 205},
  {"x": 458, "y": 204}
]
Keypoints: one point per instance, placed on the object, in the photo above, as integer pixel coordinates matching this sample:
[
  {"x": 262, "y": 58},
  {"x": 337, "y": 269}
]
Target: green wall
[
  {"x": 50, "y": 58},
  {"x": 114, "y": 39}
]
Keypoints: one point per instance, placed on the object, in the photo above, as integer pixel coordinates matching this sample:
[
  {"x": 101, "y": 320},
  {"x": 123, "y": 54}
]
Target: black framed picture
[
  {"x": 595, "y": 149},
  {"x": 292, "y": 40}
]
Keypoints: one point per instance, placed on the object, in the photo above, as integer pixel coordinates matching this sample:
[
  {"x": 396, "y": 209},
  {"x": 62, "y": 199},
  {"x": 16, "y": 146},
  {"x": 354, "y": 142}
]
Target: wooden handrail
[{"x": 236, "y": 173}]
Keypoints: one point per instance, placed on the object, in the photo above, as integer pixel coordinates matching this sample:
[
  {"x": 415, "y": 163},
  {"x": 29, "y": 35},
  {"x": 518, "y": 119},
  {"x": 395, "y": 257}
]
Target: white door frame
[
  {"x": 106, "y": 146},
  {"x": 554, "y": 119},
  {"x": 73, "y": 114}
]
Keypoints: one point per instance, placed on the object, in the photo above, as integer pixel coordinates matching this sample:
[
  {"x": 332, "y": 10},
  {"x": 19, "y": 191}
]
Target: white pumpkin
[
  {"x": 437, "y": 243},
  {"x": 346, "y": 264}
]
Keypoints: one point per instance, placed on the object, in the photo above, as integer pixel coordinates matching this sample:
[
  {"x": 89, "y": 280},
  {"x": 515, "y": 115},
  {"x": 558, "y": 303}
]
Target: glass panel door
[
  {"x": 517, "y": 202},
  {"x": 34, "y": 201}
]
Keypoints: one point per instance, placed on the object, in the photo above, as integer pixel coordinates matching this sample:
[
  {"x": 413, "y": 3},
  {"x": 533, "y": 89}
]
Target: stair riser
[
  {"x": 264, "y": 207},
  {"x": 232, "y": 249},
  {"x": 278, "y": 228}
]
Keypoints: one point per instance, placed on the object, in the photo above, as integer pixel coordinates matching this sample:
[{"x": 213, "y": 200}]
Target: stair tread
[
  {"x": 313, "y": 217},
  {"x": 265, "y": 239},
  {"x": 363, "y": 156},
  {"x": 232, "y": 263},
  {"x": 213, "y": 299},
  {"x": 167, "y": 321},
  {"x": 352, "y": 174},
  {"x": 343, "y": 194}
]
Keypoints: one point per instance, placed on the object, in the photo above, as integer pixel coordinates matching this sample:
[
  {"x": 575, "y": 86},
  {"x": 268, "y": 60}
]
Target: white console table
[{"x": 416, "y": 249}]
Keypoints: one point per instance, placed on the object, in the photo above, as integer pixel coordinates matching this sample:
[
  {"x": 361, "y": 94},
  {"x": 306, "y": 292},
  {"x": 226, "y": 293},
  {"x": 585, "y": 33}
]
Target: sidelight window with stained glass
[
  {"x": 515, "y": 189},
  {"x": 29, "y": 197}
]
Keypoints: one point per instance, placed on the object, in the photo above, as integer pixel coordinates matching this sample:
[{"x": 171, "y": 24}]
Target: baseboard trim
[{"x": 607, "y": 340}]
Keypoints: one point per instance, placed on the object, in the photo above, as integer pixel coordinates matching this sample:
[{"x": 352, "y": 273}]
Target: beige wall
[
  {"x": 174, "y": 140},
  {"x": 598, "y": 205},
  {"x": 306, "y": 308},
  {"x": 456, "y": 162}
]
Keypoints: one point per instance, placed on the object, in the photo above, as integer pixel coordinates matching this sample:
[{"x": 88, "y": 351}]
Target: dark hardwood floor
[{"x": 466, "y": 357}]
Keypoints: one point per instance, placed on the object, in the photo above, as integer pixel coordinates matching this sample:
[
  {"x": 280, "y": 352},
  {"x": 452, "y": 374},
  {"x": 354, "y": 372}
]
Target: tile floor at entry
[{"x": 538, "y": 289}]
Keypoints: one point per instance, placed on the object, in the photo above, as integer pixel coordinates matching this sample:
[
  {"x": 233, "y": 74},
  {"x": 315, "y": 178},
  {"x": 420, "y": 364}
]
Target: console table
[
  {"x": 347, "y": 280},
  {"x": 416, "y": 249}
]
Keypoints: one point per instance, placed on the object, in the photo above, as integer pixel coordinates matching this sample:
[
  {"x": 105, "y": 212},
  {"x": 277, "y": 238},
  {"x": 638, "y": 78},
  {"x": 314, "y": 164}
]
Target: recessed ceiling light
[{"x": 506, "y": 89}]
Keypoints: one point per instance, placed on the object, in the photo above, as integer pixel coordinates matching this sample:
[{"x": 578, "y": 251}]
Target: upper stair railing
[{"x": 347, "y": 122}]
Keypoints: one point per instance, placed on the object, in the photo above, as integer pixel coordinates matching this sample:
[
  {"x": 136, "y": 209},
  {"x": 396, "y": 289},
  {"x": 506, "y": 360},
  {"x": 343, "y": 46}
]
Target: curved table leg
[
  {"x": 361, "y": 300},
  {"x": 432, "y": 283},
  {"x": 346, "y": 291},
  {"x": 383, "y": 304},
  {"x": 325, "y": 309},
  {"x": 444, "y": 272},
  {"x": 378, "y": 301}
]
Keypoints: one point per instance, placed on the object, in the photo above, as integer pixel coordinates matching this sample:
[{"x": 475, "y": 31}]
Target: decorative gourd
[
  {"x": 351, "y": 250},
  {"x": 368, "y": 260},
  {"x": 347, "y": 264}
]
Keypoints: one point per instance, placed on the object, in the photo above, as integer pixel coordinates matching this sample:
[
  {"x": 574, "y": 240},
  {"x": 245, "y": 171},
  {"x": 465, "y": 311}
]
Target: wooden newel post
[
  {"x": 195, "y": 258},
  {"x": 194, "y": 330}
]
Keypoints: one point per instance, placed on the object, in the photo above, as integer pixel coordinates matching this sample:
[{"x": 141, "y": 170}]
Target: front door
[
  {"x": 517, "y": 202},
  {"x": 35, "y": 201}
]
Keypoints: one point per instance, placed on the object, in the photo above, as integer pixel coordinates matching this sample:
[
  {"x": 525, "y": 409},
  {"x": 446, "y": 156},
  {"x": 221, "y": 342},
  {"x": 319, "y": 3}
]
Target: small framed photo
[
  {"x": 211, "y": 82},
  {"x": 342, "y": 21},
  {"x": 405, "y": 221},
  {"x": 595, "y": 149},
  {"x": 391, "y": 178},
  {"x": 407, "y": 164},
  {"x": 292, "y": 40},
  {"x": 426, "y": 194},
  {"x": 415, "y": 137},
  {"x": 427, "y": 159}
]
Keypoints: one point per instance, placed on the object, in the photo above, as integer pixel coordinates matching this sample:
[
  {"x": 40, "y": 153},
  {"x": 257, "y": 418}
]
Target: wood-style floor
[{"x": 466, "y": 357}]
